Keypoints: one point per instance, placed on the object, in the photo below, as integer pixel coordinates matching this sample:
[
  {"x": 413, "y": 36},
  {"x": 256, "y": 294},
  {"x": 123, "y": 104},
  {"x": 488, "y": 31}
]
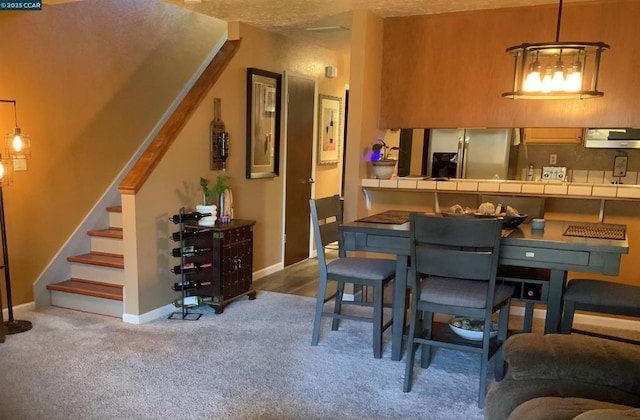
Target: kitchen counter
[{"x": 508, "y": 187}]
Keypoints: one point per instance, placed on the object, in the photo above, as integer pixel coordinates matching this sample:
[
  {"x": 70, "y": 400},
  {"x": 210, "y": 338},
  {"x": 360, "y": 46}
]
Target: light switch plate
[{"x": 620, "y": 166}]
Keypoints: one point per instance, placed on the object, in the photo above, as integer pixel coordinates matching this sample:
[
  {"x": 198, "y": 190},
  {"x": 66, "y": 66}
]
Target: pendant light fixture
[
  {"x": 18, "y": 145},
  {"x": 556, "y": 70}
]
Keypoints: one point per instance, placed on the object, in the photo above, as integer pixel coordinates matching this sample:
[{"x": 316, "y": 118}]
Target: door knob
[{"x": 310, "y": 181}]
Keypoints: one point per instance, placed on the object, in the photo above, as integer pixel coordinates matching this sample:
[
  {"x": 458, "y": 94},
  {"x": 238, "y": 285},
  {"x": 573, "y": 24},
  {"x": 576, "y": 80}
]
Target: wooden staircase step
[
  {"x": 99, "y": 258},
  {"x": 107, "y": 233},
  {"x": 89, "y": 288},
  {"x": 114, "y": 209}
]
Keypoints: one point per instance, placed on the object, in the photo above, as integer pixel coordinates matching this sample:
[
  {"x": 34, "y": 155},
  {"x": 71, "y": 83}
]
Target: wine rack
[
  {"x": 185, "y": 312},
  {"x": 225, "y": 262}
]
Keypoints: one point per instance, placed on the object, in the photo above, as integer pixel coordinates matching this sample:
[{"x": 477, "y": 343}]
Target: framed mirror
[{"x": 263, "y": 123}]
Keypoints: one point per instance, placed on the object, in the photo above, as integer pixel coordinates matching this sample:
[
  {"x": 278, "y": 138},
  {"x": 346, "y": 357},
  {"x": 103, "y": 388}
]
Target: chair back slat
[
  {"x": 455, "y": 247},
  {"x": 326, "y": 216},
  {"x": 444, "y": 262}
]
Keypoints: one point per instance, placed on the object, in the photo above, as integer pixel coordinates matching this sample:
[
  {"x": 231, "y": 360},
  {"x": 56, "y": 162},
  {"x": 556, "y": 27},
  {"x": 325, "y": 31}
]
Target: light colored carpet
[{"x": 254, "y": 361}]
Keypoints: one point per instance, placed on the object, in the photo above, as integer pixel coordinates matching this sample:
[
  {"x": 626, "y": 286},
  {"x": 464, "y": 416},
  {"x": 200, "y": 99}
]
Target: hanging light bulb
[
  {"x": 17, "y": 142},
  {"x": 574, "y": 76},
  {"x": 533, "y": 82},
  {"x": 557, "y": 82},
  {"x": 547, "y": 79}
]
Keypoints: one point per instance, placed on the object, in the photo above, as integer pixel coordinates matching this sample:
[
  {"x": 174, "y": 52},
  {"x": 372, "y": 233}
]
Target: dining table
[{"x": 560, "y": 247}]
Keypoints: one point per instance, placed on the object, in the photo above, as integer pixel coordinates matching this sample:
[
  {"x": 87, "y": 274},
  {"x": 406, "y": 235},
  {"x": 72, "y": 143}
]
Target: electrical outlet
[{"x": 553, "y": 159}]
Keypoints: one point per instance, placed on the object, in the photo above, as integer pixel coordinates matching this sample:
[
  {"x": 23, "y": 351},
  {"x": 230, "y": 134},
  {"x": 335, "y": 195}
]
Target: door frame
[{"x": 314, "y": 154}]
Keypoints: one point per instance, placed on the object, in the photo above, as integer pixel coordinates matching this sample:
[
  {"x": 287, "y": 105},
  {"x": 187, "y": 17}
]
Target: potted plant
[
  {"x": 207, "y": 206},
  {"x": 383, "y": 166}
]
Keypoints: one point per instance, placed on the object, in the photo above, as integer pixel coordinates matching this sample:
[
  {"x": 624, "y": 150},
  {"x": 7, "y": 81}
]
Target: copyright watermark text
[{"x": 20, "y": 5}]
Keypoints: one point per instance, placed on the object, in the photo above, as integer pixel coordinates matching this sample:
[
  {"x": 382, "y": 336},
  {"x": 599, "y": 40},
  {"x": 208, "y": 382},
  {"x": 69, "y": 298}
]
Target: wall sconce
[
  {"x": 19, "y": 148},
  {"x": 557, "y": 80}
]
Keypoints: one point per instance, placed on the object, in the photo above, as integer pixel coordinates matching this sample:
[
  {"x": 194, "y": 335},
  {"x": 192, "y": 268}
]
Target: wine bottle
[
  {"x": 189, "y": 233},
  {"x": 189, "y": 267},
  {"x": 215, "y": 128},
  {"x": 191, "y": 301},
  {"x": 188, "y": 251},
  {"x": 177, "y": 218},
  {"x": 223, "y": 148},
  {"x": 187, "y": 284}
]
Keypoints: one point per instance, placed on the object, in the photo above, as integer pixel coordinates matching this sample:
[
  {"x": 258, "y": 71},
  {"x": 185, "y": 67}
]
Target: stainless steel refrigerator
[{"x": 477, "y": 153}]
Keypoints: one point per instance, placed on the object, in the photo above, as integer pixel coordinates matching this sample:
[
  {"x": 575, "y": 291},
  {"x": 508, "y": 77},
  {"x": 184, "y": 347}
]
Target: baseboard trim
[
  {"x": 162, "y": 312},
  {"x": 268, "y": 270},
  {"x": 29, "y": 306}
]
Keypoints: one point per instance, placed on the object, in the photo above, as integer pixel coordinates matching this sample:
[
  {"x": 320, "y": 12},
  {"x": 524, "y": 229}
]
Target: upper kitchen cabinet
[{"x": 553, "y": 135}]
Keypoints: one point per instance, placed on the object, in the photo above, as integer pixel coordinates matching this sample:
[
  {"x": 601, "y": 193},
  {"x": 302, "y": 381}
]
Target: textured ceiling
[{"x": 292, "y": 17}]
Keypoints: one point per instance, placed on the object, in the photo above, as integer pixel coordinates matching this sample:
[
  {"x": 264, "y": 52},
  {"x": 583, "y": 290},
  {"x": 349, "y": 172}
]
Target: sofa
[{"x": 562, "y": 376}]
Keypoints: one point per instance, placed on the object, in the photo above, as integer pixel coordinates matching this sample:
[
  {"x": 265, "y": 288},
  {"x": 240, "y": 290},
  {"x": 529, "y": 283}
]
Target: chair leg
[
  {"x": 567, "y": 317},
  {"x": 411, "y": 346},
  {"x": 377, "y": 320},
  {"x": 503, "y": 326},
  {"x": 338, "y": 306},
  {"x": 527, "y": 325},
  {"x": 322, "y": 290},
  {"x": 426, "y": 332},
  {"x": 484, "y": 362}
]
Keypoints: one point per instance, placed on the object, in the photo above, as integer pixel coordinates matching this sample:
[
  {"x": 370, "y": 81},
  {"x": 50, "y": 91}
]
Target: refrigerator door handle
[
  {"x": 462, "y": 167},
  {"x": 461, "y": 150}
]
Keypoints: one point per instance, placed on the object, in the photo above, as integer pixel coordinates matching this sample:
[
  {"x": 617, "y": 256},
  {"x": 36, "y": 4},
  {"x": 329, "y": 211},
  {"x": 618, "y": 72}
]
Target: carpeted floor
[{"x": 254, "y": 361}]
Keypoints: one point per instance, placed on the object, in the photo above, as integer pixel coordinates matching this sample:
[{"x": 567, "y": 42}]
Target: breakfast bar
[{"x": 547, "y": 249}]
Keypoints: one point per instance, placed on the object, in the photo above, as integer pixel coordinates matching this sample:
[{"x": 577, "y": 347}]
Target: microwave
[{"x": 612, "y": 138}]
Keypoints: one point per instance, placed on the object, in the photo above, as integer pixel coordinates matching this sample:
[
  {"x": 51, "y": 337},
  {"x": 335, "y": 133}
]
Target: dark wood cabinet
[{"x": 231, "y": 256}]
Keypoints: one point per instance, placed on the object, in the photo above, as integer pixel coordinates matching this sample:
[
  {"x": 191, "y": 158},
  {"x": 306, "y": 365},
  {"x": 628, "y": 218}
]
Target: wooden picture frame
[
  {"x": 329, "y": 129},
  {"x": 263, "y": 123}
]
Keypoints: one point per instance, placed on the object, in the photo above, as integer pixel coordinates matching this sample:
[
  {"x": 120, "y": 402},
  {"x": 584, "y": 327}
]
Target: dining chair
[
  {"x": 326, "y": 216},
  {"x": 455, "y": 262},
  {"x": 599, "y": 296}
]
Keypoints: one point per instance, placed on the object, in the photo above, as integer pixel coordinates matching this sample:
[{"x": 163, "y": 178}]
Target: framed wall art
[
  {"x": 329, "y": 129},
  {"x": 263, "y": 123}
]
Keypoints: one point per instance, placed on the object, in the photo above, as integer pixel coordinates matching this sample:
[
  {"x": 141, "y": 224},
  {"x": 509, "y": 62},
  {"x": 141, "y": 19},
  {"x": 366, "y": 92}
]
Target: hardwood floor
[{"x": 297, "y": 279}]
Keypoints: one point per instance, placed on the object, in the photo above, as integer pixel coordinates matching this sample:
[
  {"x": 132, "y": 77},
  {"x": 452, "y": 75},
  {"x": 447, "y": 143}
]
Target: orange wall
[
  {"x": 91, "y": 79},
  {"x": 450, "y": 70}
]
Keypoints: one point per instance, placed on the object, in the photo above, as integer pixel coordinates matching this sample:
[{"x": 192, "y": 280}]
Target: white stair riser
[
  {"x": 108, "y": 245},
  {"x": 85, "y": 303},
  {"x": 115, "y": 220},
  {"x": 97, "y": 273}
]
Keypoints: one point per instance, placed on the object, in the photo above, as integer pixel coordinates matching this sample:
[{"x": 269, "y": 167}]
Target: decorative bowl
[
  {"x": 510, "y": 221},
  {"x": 471, "y": 328}
]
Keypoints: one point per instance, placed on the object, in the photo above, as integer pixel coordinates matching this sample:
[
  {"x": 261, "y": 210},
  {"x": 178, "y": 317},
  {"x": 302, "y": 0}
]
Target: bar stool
[{"x": 601, "y": 297}]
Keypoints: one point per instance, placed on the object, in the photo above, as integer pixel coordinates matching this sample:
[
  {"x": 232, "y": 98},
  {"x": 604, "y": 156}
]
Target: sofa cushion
[
  {"x": 504, "y": 396},
  {"x": 575, "y": 358},
  {"x": 611, "y": 414},
  {"x": 556, "y": 408}
]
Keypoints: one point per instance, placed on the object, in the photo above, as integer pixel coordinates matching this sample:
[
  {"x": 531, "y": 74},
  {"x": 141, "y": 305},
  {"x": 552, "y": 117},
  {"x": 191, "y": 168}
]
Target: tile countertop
[{"x": 535, "y": 188}]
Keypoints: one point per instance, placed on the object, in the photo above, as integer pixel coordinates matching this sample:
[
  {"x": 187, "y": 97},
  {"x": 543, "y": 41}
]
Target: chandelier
[{"x": 556, "y": 70}]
